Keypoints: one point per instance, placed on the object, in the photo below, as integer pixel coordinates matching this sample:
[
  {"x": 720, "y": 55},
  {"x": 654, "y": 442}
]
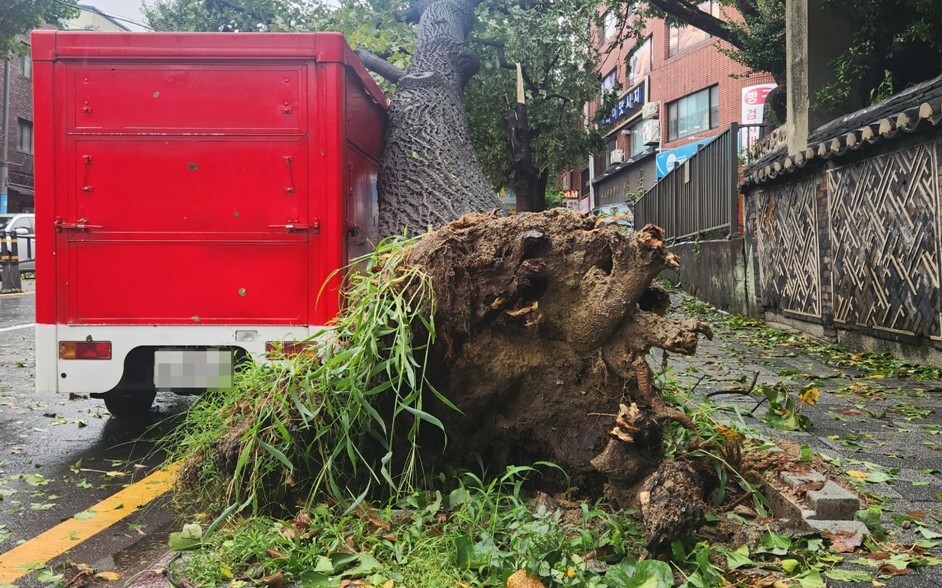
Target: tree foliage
[
  {"x": 230, "y": 15},
  {"x": 18, "y": 17},
  {"x": 552, "y": 39},
  {"x": 894, "y": 45}
]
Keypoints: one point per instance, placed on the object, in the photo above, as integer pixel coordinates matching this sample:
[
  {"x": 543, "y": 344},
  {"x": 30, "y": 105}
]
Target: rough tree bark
[
  {"x": 529, "y": 197},
  {"x": 429, "y": 173}
]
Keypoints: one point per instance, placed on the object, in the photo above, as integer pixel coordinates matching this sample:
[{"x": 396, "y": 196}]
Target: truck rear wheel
[
  {"x": 129, "y": 404},
  {"x": 132, "y": 398}
]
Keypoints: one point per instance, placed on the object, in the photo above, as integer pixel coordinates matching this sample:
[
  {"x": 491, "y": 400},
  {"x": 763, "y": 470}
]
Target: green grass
[
  {"x": 476, "y": 534},
  {"x": 308, "y": 427}
]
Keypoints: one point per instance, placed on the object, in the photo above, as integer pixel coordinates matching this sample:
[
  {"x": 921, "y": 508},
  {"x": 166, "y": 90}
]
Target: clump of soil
[
  {"x": 545, "y": 320},
  {"x": 544, "y": 323}
]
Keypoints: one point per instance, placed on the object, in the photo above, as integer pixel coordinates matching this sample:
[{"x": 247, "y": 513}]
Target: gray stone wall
[
  {"x": 853, "y": 251},
  {"x": 713, "y": 271}
]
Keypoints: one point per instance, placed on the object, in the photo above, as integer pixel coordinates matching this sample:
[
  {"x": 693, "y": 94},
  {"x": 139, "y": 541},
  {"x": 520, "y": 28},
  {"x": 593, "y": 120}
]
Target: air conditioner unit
[
  {"x": 616, "y": 156},
  {"x": 651, "y": 132},
  {"x": 651, "y": 110}
]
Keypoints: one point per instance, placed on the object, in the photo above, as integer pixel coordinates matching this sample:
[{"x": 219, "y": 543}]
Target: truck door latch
[
  {"x": 80, "y": 225},
  {"x": 293, "y": 227}
]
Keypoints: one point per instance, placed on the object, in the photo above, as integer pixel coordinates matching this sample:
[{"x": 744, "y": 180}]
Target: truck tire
[{"x": 129, "y": 404}]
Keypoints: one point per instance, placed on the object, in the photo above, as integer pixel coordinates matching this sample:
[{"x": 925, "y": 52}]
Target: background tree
[
  {"x": 18, "y": 17},
  {"x": 230, "y": 15},
  {"x": 894, "y": 45},
  {"x": 524, "y": 147}
]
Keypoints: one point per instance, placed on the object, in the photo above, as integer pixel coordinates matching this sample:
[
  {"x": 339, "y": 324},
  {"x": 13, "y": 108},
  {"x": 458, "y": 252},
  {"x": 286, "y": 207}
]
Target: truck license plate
[{"x": 211, "y": 369}]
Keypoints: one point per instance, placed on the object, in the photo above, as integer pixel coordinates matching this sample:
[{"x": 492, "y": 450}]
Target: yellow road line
[{"x": 22, "y": 559}]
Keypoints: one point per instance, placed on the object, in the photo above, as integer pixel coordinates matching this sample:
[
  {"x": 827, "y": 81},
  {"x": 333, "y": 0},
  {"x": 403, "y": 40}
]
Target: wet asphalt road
[{"x": 60, "y": 456}]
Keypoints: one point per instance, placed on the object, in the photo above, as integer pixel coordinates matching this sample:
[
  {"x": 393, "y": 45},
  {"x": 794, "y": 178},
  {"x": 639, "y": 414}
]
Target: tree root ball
[{"x": 543, "y": 324}]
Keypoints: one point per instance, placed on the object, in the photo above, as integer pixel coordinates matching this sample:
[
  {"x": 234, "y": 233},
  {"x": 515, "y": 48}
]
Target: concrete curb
[{"x": 816, "y": 503}]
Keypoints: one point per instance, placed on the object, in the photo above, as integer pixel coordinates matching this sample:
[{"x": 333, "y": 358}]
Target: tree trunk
[
  {"x": 429, "y": 173},
  {"x": 529, "y": 198}
]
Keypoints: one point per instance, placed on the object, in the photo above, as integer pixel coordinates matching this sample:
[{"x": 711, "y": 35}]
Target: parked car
[
  {"x": 24, "y": 227},
  {"x": 621, "y": 214}
]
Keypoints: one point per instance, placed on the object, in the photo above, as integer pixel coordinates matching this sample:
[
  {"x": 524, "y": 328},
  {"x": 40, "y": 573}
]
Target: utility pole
[{"x": 4, "y": 150}]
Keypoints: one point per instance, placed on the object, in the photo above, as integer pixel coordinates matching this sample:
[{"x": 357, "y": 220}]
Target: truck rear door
[{"x": 187, "y": 196}]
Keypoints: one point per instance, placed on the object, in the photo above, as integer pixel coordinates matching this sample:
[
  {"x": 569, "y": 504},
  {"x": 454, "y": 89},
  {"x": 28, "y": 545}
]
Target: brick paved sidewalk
[{"x": 872, "y": 416}]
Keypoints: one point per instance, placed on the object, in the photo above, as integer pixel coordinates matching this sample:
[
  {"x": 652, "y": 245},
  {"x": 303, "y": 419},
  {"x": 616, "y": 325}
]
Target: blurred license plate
[{"x": 193, "y": 369}]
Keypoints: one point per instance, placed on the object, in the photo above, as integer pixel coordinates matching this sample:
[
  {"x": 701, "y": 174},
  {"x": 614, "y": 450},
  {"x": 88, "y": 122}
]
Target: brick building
[
  {"x": 674, "y": 91},
  {"x": 19, "y": 139},
  {"x": 20, "y": 122}
]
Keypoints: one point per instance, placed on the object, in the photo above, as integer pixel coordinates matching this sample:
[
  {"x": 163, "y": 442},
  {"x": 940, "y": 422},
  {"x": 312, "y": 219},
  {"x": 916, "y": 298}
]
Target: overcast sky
[{"x": 122, "y": 9}]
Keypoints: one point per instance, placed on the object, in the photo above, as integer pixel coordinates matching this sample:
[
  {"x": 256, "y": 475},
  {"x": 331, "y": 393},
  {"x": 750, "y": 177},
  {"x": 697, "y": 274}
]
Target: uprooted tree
[
  {"x": 512, "y": 339},
  {"x": 542, "y": 325},
  {"x": 543, "y": 321}
]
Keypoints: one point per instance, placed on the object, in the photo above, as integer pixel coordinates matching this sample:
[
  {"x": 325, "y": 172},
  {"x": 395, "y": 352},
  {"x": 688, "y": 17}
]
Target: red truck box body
[{"x": 195, "y": 191}]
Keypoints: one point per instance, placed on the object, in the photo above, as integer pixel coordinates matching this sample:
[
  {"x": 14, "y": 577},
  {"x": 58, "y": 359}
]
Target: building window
[
  {"x": 635, "y": 141},
  {"x": 639, "y": 62},
  {"x": 693, "y": 114},
  {"x": 27, "y": 64},
  {"x": 609, "y": 26},
  {"x": 609, "y": 83},
  {"x": 24, "y": 141},
  {"x": 682, "y": 38}
]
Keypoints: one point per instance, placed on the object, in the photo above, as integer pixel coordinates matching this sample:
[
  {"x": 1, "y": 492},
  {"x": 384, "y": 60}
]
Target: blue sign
[
  {"x": 668, "y": 160},
  {"x": 629, "y": 104}
]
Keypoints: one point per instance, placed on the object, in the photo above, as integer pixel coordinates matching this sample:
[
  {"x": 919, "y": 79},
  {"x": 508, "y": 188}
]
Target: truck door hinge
[
  {"x": 294, "y": 227},
  {"x": 80, "y": 225}
]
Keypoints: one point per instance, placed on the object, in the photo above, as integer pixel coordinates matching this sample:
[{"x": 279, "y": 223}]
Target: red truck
[{"x": 194, "y": 194}]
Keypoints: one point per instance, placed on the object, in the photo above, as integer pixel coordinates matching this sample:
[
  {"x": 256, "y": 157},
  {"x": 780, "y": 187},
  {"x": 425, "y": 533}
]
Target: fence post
[{"x": 734, "y": 181}]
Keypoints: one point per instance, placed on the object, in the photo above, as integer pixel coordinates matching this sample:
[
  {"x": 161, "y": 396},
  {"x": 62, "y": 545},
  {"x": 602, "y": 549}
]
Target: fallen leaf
[
  {"x": 810, "y": 396},
  {"x": 858, "y": 474},
  {"x": 108, "y": 576},
  {"x": 275, "y": 554},
  {"x": 893, "y": 570},
  {"x": 744, "y": 511},
  {"x": 275, "y": 580},
  {"x": 850, "y": 412},
  {"x": 844, "y": 541},
  {"x": 379, "y": 524}
]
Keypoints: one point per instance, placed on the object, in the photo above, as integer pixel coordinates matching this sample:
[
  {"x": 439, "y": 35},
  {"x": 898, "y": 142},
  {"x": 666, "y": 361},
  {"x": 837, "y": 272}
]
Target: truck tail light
[
  {"x": 84, "y": 349},
  {"x": 289, "y": 349}
]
